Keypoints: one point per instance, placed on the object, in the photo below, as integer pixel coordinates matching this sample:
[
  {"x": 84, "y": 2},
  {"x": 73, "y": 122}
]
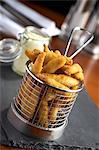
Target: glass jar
[{"x": 32, "y": 38}]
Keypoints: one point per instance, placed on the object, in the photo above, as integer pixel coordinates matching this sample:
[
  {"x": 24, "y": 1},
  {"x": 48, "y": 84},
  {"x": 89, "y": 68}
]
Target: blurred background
[{"x": 58, "y": 6}]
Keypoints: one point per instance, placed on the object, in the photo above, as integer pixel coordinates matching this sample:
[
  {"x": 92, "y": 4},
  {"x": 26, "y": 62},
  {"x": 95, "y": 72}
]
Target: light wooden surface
[{"x": 87, "y": 61}]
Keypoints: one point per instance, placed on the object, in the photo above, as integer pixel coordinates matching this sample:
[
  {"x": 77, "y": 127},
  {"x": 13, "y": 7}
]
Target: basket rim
[{"x": 40, "y": 81}]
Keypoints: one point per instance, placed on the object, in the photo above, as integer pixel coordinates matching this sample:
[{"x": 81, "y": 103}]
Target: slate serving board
[{"x": 82, "y": 131}]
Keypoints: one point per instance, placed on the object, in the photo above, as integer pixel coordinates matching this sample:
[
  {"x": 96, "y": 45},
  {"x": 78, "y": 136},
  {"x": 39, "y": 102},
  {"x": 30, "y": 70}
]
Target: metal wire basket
[{"x": 41, "y": 106}]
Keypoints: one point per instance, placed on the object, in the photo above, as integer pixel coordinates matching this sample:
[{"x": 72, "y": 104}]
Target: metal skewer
[{"x": 84, "y": 44}]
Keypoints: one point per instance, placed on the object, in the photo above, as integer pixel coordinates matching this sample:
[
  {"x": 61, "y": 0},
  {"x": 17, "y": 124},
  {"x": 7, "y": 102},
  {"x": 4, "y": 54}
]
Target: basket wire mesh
[{"x": 41, "y": 105}]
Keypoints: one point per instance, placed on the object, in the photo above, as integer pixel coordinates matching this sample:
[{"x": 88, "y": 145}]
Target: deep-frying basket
[{"x": 40, "y": 109}]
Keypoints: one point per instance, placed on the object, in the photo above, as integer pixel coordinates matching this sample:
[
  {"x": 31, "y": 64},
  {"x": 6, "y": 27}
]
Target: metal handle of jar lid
[{"x": 84, "y": 44}]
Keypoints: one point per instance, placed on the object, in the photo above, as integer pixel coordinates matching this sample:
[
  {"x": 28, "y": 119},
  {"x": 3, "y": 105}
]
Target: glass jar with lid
[{"x": 32, "y": 38}]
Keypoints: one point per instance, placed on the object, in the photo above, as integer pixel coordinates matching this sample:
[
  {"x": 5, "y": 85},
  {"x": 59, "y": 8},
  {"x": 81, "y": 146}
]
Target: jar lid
[
  {"x": 9, "y": 50},
  {"x": 34, "y": 33}
]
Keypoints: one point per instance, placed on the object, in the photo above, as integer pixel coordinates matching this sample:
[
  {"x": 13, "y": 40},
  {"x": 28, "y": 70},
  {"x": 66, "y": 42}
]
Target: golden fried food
[
  {"x": 58, "y": 80},
  {"x": 43, "y": 114},
  {"x": 32, "y": 55},
  {"x": 55, "y": 70},
  {"x": 46, "y": 49},
  {"x": 69, "y": 70},
  {"x": 24, "y": 99},
  {"x": 53, "y": 114},
  {"x": 79, "y": 76},
  {"x": 38, "y": 64},
  {"x": 57, "y": 52},
  {"x": 75, "y": 87},
  {"x": 54, "y": 64},
  {"x": 49, "y": 56},
  {"x": 54, "y": 83},
  {"x": 69, "y": 61},
  {"x": 28, "y": 100},
  {"x": 50, "y": 95},
  {"x": 51, "y": 81},
  {"x": 65, "y": 80}
]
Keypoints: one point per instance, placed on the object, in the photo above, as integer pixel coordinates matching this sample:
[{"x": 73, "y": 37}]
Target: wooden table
[{"x": 86, "y": 60}]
